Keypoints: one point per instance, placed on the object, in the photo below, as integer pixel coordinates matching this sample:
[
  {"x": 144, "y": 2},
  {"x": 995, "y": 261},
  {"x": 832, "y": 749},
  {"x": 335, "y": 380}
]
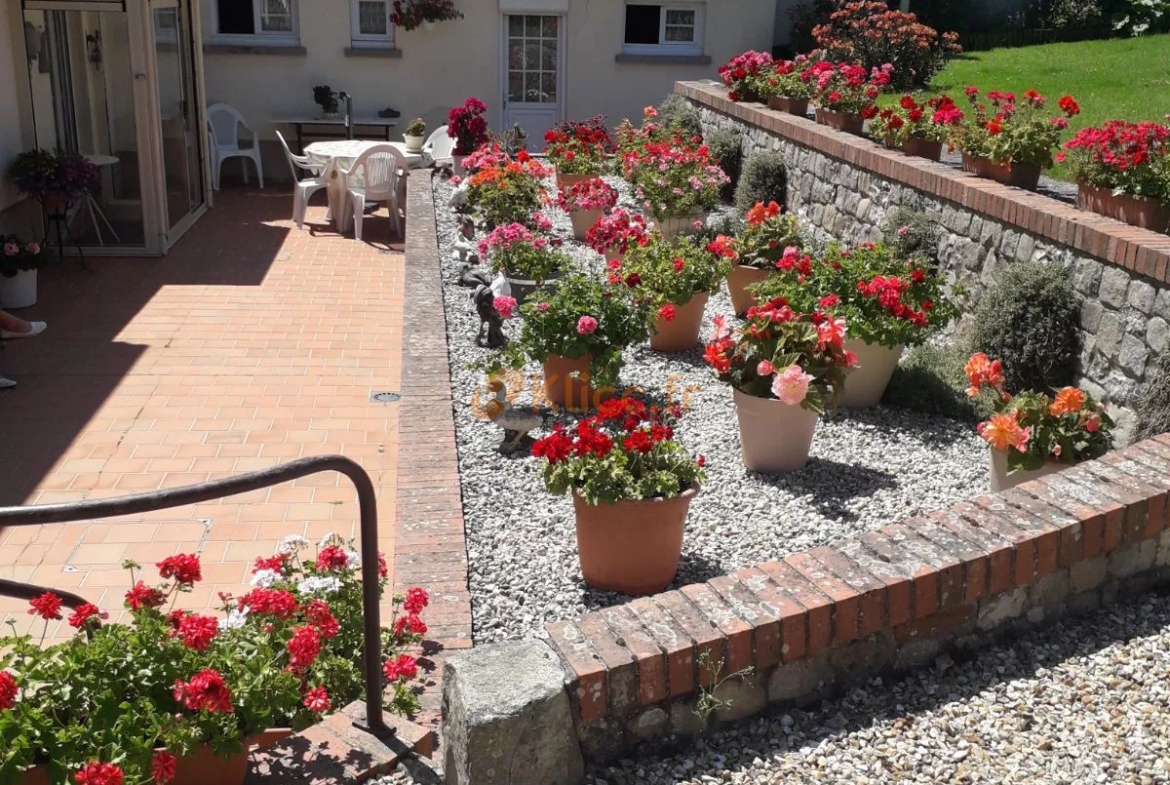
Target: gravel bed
[{"x": 868, "y": 468}]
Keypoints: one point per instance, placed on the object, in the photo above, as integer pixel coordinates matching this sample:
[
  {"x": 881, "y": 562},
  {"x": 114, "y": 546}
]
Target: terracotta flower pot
[
  {"x": 796, "y": 106},
  {"x": 922, "y": 148},
  {"x": 774, "y": 436},
  {"x": 568, "y": 180},
  {"x": 19, "y": 291},
  {"x": 575, "y": 393},
  {"x": 1000, "y": 480},
  {"x": 1134, "y": 210},
  {"x": 631, "y": 547},
  {"x": 54, "y": 203},
  {"x": 682, "y": 333},
  {"x": 866, "y": 383},
  {"x": 37, "y": 775},
  {"x": 583, "y": 221},
  {"x": 843, "y": 121},
  {"x": 677, "y": 226},
  {"x": 741, "y": 277},
  {"x": 1021, "y": 176}
]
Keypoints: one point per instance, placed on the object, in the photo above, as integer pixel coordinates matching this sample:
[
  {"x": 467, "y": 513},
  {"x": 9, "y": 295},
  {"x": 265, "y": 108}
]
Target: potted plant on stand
[
  {"x": 846, "y": 94},
  {"x": 616, "y": 232},
  {"x": 758, "y": 252},
  {"x": 1031, "y": 434},
  {"x": 632, "y": 485},
  {"x": 674, "y": 279},
  {"x": 415, "y": 136},
  {"x": 465, "y": 124},
  {"x": 917, "y": 129},
  {"x": 1123, "y": 171},
  {"x": 578, "y": 150},
  {"x": 1011, "y": 141},
  {"x": 326, "y": 98},
  {"x": 57, "y": 179},
  {"x": 585, "y": 202},
  {"x": 676, "y": 182},
  {"x": 785, "y": 369},
  {"x": 528, "y": 261},
  {"x": 18, "y": 272}
]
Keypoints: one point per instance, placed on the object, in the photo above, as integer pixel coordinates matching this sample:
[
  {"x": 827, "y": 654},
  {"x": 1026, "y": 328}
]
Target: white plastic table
[
  {"x": 95, "y": 210},
  {"x": 340, "y": 155}
]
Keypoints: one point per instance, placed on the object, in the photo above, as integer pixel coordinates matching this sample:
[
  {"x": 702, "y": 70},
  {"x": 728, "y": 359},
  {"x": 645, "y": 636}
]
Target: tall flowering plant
[
  {"x": 518, "y": 253},
  {"x": 592, "y": 194},
  {"x": 131, "y": 701},
  {"x": 665, "y": 273},
  {"x": 799, "y": 359},
  {"x": 1124, "y": 157},
  {"x": 1033, "y": 428},
  {"x": 847, "y": 87},
  {"x": 44, "y": 174},
  {"x": 509, "y": 192},
  {"x": 933, "y": 120},
  {"x": 1013, "y": 131},
  {"x": 615, "y": 233},
  {"x": 629, "y": 138},
  {"x": 673, "y": 178},
  {"x": 626, "y": 452},
  {"x": 579, "y": 147},
  {"x": 466, "y": 125},
  {"x": 746, "y": 76}
]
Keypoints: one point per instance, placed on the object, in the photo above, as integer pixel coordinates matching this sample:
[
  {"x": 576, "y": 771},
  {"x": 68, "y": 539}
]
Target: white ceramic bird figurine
[
  {"x": 500, "y": 286},
  {"x": 459, "y": 199},
  {"x": 463, "y": 250},
  {"x": 516, "y": 423}
]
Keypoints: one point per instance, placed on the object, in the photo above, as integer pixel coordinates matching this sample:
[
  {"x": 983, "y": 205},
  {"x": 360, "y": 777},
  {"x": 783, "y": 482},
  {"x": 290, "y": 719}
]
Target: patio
[{"x": 251, "y": 344}]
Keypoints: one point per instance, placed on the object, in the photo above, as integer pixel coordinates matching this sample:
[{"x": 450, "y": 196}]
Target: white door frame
[{"x": 559, "y": 114}]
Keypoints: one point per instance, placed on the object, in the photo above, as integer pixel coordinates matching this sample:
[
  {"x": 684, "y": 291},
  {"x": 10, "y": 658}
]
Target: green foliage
[
  {"x": 930, "y": 379},
  {"x": 678, "y": 114},
  {"x": 670, "y": 272},
  {"x": 912, "y": 233},
  {"x": 1153, "y": 403},
  {"x": 727, "y": 151},
  {"x": 1138, "y": 17},
  {"x": 764, "y": 179},
  {"x": 502, "y": 194},
  {"x": 1028, "y": 320}
]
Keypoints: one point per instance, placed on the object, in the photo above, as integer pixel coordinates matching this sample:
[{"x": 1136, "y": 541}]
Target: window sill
[
  {"x": 372, "y": 51},
  {"x": 664, "y": 59},
  {"x": 255, "y": 49}
]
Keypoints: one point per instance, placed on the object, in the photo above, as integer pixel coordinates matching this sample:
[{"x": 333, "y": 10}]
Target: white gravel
[{"x": 868, "y": 468}]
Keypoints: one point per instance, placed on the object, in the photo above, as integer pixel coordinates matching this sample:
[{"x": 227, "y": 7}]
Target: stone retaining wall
[
  {"x": 844, "y": 185},
  {"x": 535, "y": 713}
]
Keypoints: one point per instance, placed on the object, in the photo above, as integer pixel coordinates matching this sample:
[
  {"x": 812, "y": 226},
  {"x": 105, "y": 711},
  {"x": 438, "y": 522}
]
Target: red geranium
[
  {"x": 97, "y": 773},
  {"x": 47, "y": 606},
  {"x": 403, "y": 667},
  {"x": 8, "y": 691},
  {"x": 332, "y": 558},
  {"x": 318, "y": 614},
  {"x": 163, "y": 767},
  {"x": 206, "y": 691},
  {"x": 184, "y": 568},
  {"x": 416, "y": 600},
  {"x": 317, "y": 700},
  {"x": 303, "y": 647},
  {"x": 197, "y": 632},
  {"x": 142, "y": 596}
]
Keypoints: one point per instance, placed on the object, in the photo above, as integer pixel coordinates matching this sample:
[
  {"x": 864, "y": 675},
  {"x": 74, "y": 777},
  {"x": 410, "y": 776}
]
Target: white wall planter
[
  {"x": 19, "y": 291},
  {"x": 1000, "y": 480}
]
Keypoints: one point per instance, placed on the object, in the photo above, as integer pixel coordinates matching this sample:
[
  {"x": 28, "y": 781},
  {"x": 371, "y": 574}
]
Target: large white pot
[
  {"x": 19, "y": 291},
  {"x": 866, "y": 383},
  {"x": 457, "y": 165},
  {"x": 1000, "y": 480},
  {"x": 676, "y": 226},
  {"x": 774, "y": 436}
]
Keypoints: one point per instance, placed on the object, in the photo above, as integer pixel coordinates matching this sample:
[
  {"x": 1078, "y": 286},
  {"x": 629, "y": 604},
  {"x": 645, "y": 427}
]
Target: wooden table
[{"x": 299, "y": 124}]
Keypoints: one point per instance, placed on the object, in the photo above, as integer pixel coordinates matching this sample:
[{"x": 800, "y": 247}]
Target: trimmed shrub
[
  {"x": 1153, "y": 403},
  {"x": 727, "y": 148},
  {"x": 930, "y": 379},
  {"x": 911, "y": 233},
  {"x": 1028, "y": 321},
  {"x": 764, "y": 179},
  {"x": 676, "y": 112}
]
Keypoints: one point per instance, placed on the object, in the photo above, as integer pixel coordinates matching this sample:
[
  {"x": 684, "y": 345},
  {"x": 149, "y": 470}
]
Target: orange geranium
[
  {"x": 1070, "y": 400},
  {"x": 982, "y": 371},
  {"x": 1003, "y": 431},
  {"x": 758, "y": 214}
]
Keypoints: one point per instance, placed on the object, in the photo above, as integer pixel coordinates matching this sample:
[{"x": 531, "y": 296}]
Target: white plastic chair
[
  {"x": 303, "y": 188},
  {"x": 438, "y": 144},
  {"x": 378, "y": 175},
  {"x": 223, "y": 126}
]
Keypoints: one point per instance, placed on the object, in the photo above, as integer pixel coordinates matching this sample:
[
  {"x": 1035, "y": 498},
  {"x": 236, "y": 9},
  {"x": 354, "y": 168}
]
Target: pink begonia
[
  {"x": 33, "y": 248},
  {"x": 586, "y": 325},
  {"x": 764, "y": 368},
  {"x": 791, "y": 385},
  {"x": 505, "y": 305},
  {"x": 11, "y": 249}
]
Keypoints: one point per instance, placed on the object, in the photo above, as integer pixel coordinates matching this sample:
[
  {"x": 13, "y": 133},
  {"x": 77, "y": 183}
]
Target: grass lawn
[{"x": 1116, "y": 79}]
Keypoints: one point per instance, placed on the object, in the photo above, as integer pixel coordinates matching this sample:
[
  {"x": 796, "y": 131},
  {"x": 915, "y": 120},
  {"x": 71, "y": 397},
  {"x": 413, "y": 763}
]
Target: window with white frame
[
  {"x": 257, "y": 21},
  {"x": 664, "y": 29},
  {"x": 370, "y": 23}
]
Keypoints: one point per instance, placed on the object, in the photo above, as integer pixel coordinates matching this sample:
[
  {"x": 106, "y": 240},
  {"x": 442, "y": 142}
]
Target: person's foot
[
  {"x": 35, "y": 329},
  {"x": 6, "y": 383}
]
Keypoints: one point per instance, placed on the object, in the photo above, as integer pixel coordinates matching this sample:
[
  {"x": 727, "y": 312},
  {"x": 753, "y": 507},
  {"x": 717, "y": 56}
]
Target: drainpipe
[{"x": 348, "y": 114}]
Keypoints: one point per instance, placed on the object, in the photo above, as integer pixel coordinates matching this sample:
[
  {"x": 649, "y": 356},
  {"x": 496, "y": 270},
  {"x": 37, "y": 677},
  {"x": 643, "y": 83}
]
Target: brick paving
[{"x": 250, "y": 344}]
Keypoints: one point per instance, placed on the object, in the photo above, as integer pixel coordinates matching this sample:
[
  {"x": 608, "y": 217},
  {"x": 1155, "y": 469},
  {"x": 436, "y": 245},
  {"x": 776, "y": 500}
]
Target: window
[
  {"x": 261, "y": 21},
  {"x": 370, "y": 22},
  {"x": 664, "y": 28}
]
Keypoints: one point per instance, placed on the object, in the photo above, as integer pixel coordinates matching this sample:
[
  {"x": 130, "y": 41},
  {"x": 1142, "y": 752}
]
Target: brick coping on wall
[
  {"x": 887, "y": 599},
  {"x": 1143, "y": 251}
]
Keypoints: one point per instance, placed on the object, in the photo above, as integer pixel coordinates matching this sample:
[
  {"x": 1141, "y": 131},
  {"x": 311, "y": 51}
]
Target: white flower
[
  {"x": 266, "y": 578},
  {"x": 235, "y": 620},
  {"x": 351, "y": 559},
  {"x": 327, "y": 584},
  {"x": 327, "y": 540},
  {"x": 292, "y": 543}
]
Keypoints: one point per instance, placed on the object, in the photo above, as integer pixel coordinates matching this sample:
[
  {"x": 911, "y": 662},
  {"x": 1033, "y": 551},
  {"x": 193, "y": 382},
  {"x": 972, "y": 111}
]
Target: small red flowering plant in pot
[
  {"x": 746, "y": 76},
  {"x": 466, "y": 125},
  {"x": 846, "y": 93},
  {"x": 586, "y": 201},
  {"x": 1011, "y": 139},
  {"x": 632, "y": 484},
  {"x": 179, "y": 695},
  {"x": 616, "y": 232},
  {"x": 762, "y": 245},
  {"x": 1123, "y": 171},
  {"x": 1033, "y": 433},
  {"x": 673, "y": 279},
  {"x": 676, "y": 181},
  {"x": 786, "y": 88},
  {"x": 579, "y": 148},
  {"x": 785, "y": 368},
  {"x": 918, "y": 128}
]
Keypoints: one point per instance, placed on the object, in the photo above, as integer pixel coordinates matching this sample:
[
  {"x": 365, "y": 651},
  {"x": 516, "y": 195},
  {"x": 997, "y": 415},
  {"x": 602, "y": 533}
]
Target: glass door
[
  {"x": 532, "y": 76},
  {"x": 182, "y": 162}
]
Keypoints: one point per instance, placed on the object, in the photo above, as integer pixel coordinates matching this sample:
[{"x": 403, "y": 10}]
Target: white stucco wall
[
  {"x": 11, "y": 138},
  {"x": 440, "y": 67}
]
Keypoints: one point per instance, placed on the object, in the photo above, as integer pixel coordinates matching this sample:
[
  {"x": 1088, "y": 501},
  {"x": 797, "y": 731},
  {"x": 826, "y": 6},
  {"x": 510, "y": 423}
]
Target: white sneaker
[
  {"x": 37, "y": 329},
  {"x": 6, "y": 383}
]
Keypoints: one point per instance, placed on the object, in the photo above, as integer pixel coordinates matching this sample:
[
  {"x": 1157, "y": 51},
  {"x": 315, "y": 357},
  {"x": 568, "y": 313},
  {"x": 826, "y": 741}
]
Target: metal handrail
[{"x": 216, "y": 489}]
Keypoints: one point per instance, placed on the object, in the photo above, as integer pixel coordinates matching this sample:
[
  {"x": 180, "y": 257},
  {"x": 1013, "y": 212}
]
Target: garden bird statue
[{"x": 516, "y": 423}]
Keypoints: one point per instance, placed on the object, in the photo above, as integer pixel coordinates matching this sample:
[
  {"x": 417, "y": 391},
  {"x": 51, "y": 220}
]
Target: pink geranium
[
  {"x": 505, "y": 305},
  {"x": 586, "y": 325}
]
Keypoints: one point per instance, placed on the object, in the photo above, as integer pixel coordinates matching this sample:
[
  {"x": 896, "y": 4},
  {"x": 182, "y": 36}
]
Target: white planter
[
  {"x": 1000, "y": 480},
  {"x": 583, "y": 221},
  {"x": 774, "y": 436},
  {"x": 866, "y": 383},
  {"x": 19, "y": 291},
  {"x": 676, "y": 226},
  {"x": 414, "y": 144},
  {"x": 457, "y": 165}
]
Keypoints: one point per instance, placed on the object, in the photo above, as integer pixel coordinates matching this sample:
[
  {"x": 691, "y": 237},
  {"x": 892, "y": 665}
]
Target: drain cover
[{"x": 384, "y": 397}]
